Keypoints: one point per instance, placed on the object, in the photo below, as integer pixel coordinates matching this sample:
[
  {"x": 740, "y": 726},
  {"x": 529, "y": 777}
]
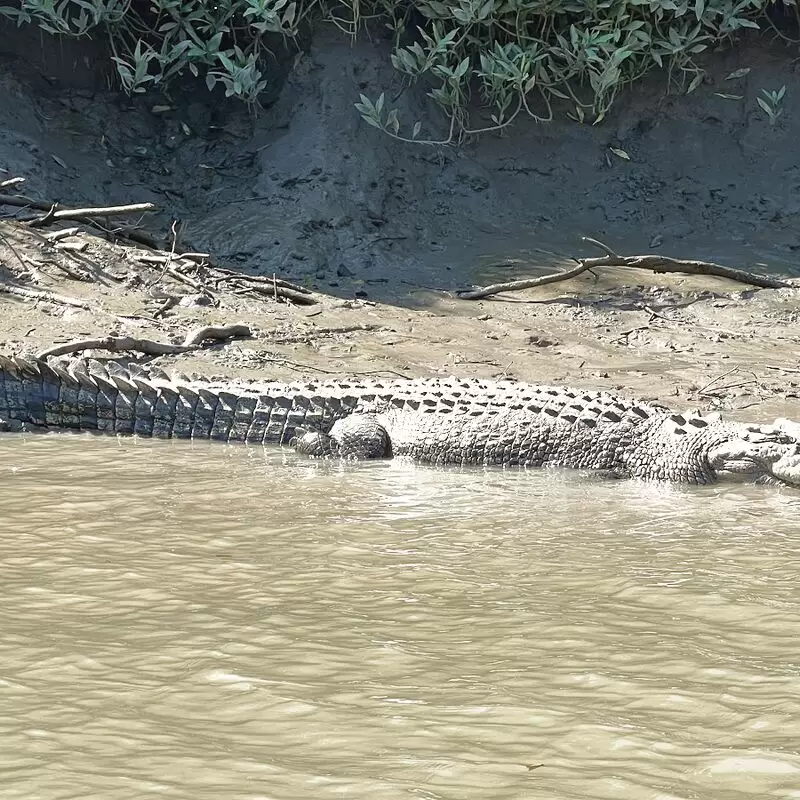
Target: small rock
[
  {"x": 542, "y": 341},
  {"x": 193, "y": 300}
]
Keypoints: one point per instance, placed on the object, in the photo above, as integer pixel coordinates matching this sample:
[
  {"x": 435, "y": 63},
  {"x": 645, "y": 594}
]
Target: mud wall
[{"x": 306, "y": 189}]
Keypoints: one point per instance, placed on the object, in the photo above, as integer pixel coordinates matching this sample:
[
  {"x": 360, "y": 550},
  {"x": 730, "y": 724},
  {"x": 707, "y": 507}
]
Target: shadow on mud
[{"x": 306, "y": 190}]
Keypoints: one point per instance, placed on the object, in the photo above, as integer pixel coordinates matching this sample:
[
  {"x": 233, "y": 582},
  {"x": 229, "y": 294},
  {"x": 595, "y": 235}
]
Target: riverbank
[{"x": 384, "y": 234}]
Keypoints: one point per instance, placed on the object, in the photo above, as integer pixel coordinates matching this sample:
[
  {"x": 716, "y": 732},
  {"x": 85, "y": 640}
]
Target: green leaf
[
  {"x": 696, "y": 81},
  {"x": 486, "y": 9},
  {"x": 462, "y": 68}
]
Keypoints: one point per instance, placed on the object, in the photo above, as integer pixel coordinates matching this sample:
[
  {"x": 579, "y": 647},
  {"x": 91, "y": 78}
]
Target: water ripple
[{"x": 199, "y": 621}]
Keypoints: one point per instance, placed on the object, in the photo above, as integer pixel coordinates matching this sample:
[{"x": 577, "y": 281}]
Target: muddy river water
[{"x": 203, "y": 621}]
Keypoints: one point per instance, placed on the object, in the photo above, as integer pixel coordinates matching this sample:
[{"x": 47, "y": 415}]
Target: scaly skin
[{"x": 500, "y": 423}]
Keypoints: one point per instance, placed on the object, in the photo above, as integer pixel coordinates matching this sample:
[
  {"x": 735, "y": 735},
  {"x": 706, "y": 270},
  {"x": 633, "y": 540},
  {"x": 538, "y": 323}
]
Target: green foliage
[
  {"x": 519, "y": 56},
  {"x": 772, "y": 103},
  {"x": 155, "y": 41},
  {"x": 512, "y": 56}
]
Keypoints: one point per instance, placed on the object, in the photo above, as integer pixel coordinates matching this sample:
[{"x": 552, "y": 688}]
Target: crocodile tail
[{"x": 93, "y": 397}]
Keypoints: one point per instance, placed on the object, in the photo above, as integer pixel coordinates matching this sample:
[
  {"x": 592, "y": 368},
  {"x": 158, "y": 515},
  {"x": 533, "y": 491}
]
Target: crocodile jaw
[{"x": 761, "y": 454}]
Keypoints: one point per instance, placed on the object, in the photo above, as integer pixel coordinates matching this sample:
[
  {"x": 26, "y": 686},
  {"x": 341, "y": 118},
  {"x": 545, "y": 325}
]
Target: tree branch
[
  {"x": 655, "y": 263},
  {"x": 193, "y": 341}
]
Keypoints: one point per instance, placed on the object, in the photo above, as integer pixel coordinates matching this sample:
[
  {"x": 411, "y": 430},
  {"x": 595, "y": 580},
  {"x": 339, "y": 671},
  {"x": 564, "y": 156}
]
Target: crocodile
[{"x": 431, "y": 420}]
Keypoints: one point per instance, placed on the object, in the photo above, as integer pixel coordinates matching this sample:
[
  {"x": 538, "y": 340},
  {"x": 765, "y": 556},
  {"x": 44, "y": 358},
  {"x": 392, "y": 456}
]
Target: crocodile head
[{"x": 767, "y": 454}]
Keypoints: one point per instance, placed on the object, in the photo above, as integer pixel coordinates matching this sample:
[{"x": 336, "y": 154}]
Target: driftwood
[
  {"x": 194, "y": 341},
  {"x": 655, "y": 263}
]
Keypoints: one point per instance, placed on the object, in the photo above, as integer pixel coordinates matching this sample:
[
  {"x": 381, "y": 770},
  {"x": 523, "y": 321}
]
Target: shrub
[{"x": 518, "y": 56}]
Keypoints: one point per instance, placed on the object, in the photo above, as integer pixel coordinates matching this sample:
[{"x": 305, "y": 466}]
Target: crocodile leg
[{"x": 356, "y": 437}]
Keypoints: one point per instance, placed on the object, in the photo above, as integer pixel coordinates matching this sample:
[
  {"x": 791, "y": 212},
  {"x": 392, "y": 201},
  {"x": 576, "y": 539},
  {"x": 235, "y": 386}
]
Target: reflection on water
[{"x": 221, "y": 622}]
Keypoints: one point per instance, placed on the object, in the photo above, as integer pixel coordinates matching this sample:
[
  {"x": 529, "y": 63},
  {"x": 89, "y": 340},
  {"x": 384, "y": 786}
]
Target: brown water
[{"x": 221, "y": 622}]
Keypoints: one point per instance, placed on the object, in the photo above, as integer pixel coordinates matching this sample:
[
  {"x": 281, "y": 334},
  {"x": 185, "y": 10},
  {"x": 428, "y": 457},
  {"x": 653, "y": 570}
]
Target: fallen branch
[
  {"x": 191, "y": 282},
  {"x": 193, "y": 341},
  {"x": 54, "y": 215},
  {"x": 20, "y": 201},
  {"x": 11, "y": 182},
  {"x": 530, "y": 283},
  {"x": 229, "y": 275},
  {"x": 788, "y": 370},
  {"x": 47, "y": 297},
  {"x": 275, "y": 291},
  {"x": 57, "y": 236},
  {"x": 655, "y": 263}
]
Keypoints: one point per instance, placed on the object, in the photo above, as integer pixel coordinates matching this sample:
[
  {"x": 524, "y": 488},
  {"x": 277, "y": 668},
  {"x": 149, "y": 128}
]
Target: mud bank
[{"x": 383, "y": 230}]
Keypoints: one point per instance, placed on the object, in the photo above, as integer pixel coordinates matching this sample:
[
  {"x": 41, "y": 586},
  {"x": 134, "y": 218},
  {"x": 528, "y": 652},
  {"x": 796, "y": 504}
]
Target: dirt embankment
[{"x": 383, "y": 233}]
